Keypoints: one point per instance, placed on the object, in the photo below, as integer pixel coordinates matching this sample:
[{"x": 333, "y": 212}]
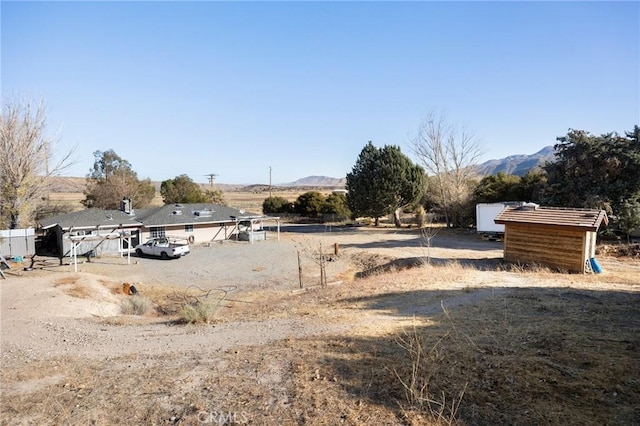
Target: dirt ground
[{"x": 510, "y": 344}]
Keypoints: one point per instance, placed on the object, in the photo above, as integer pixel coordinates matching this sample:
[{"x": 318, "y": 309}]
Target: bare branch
[
  {"x": 26, "y": 161},
  {"x": 449, "y": 155}
]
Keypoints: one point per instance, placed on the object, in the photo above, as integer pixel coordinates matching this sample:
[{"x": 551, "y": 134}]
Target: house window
[
  {"x": 157, "y": 232},
  {"x": 188, "y": 228}
]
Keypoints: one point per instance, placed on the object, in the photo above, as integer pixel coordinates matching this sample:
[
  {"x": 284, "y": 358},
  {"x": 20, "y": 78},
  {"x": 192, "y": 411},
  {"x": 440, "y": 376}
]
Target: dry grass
[
  {"x": 539, "y": 355},
  {"x": 136, "y": 305},
  {"x": 427, "y": 360},
  {"x": 200, "y": 311},
  {"x": 191, "y": 305},
  {"x": 533, "y": 356}
]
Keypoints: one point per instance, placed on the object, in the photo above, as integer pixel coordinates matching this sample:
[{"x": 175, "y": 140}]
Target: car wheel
[
  {"x": 139, "y": 253},
  {"x": 164, "y": 255}
]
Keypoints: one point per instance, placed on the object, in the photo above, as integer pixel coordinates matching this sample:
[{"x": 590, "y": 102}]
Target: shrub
[
  {"x": 309, "y": 204},
  {"x": 198, "y": 312},
  {"x": 276, "y": 205},
  {"x": 420, "y": 217},
  {"x": 336, "y": 205},
  {"x": 135, "y": 305}
]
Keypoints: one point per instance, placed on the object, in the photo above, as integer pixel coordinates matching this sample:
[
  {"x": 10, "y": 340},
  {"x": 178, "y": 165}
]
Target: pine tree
[{"x": 383, "y": 181}]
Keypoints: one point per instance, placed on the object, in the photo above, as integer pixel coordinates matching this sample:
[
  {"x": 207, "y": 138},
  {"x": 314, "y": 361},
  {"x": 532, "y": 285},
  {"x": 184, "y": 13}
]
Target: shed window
[
  {"x": 157, "y": 232},
  {"x": 188, "y": 228}
]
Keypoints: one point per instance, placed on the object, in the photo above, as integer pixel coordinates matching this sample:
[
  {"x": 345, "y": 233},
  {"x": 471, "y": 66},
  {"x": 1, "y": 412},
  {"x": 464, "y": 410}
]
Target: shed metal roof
[{"x": 585, "y": 219}]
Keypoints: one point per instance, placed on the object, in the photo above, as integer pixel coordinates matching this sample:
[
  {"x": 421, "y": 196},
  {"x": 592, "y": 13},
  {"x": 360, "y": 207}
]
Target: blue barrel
[{"x": 595, "y": 265}]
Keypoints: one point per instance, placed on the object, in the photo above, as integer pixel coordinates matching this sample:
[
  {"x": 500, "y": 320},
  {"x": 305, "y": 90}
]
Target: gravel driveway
[{"x": 273, "y": 264}]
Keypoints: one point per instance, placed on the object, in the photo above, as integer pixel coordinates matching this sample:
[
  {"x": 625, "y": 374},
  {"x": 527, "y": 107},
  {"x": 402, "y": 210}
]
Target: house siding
[
  {"x": 202, "y": 232},
  {"x": 111, "y": 246}
]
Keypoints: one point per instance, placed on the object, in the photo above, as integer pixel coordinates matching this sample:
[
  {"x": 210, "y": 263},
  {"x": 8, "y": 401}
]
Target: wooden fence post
[{"x": 299, "y": 270}]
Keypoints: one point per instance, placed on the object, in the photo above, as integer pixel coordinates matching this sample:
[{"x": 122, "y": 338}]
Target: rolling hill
[{"x": 318, "y": 181}]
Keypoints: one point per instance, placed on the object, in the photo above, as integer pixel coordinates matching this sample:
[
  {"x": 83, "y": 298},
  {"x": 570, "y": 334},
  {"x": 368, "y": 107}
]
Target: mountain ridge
[
  {"x": 317, "y": 181},
  {"x": 518, "y": 164}
]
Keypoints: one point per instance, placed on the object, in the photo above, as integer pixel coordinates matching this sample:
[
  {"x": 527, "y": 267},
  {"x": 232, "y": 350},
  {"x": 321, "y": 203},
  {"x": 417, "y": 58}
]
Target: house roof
[
  {"x": 188, "y": 214},
  {"x": 91, "y": 218},
  {"x": 583, "y": 219}
]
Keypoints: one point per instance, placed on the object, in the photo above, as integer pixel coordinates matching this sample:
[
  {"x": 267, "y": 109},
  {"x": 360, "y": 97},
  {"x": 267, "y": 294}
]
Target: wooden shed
[{"x": 558, "y": 237}]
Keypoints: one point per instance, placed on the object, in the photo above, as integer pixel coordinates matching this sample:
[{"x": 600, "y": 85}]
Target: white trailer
[{"x": 486, "y": 213}]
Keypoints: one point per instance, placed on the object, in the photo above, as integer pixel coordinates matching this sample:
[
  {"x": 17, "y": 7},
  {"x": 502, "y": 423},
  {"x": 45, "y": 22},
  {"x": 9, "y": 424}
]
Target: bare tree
[
  {"x": 449, "y": 155},
  {"x": 27, "y": 161}
]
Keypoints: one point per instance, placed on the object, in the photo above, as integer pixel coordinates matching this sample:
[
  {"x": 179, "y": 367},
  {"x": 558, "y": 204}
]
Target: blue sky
[{"x": 234, "y": 88}]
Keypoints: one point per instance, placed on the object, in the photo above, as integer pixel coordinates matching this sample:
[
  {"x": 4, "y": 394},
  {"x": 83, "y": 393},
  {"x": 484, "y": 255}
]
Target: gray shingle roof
[
  {"x": 91, "y": 218},
  {"x": 188, "y": 214},
  {"x": 167, "y": 215}
]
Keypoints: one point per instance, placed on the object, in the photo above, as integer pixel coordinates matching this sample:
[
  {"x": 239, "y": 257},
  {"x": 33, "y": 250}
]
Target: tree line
[
  {"x": 589, "y": 171},
  {"x": 311, "y": 204}
]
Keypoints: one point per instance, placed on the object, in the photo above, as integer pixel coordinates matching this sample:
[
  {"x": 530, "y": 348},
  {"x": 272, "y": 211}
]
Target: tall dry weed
[{"x": 429, "y": 359}]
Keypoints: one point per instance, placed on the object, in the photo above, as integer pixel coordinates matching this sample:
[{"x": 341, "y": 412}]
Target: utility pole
[
  {"x": 211, "y": 177},
  {"x": 269, "y": 181}
]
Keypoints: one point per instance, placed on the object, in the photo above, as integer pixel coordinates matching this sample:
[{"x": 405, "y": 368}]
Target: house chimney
[{"x": 126, "y": 206}]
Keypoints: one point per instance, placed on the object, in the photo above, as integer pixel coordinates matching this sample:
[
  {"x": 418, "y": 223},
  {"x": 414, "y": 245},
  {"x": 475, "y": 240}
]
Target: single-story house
[
  {"x": 199, "y": 223},
  {"x": 93, "y": 230},
  {"x": 101, "y": 231},
  {"x": 559, "y": 237}
]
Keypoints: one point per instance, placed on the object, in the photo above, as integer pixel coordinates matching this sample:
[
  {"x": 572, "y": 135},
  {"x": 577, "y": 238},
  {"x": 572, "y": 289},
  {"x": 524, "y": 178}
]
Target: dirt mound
[
  {"x": 76, "y": 295},
  {"x": 90, "y": 293}
]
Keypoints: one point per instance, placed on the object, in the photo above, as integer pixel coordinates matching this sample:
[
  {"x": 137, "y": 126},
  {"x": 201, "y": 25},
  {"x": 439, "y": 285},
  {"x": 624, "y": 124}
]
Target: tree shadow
[
  {"x": 510, "y": 355},
  {"x": 418, "y": 242},
  {"x": 487, "y": 264},
  {"x": 316, "y": 228}
]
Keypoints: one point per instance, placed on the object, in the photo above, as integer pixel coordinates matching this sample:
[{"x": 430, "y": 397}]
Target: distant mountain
[
  {"x": 318, "y": 181},
  {"x": 517, "y": 164}
]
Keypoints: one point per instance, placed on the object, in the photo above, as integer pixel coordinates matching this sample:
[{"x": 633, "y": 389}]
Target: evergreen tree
[
  {"x": 596, "y": 172},
  {"x": 497, "y": 188},
  {"x": 383, "y": 181},
  {"x": 502, "y": 187},
  {"x": 182, "y": 189}
]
